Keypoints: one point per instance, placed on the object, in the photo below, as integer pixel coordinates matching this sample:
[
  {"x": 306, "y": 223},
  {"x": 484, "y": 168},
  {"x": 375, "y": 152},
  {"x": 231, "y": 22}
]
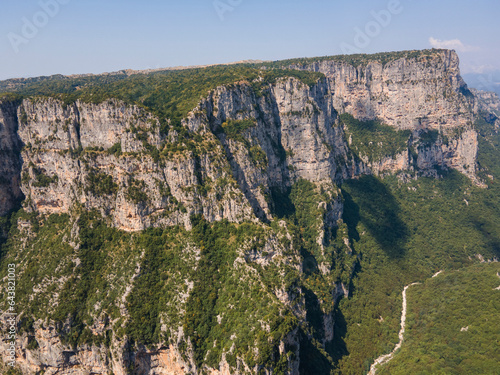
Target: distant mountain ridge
[{"x": 489, "y": 81}]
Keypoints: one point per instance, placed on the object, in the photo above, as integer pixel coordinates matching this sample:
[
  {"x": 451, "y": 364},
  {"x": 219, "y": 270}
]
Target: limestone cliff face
[
  {"x": 296, "y": 135},
  {"x": 111, "y": 157},
  {"x": 408, "y": 93},
  {"x": 67, "y": 155},
  {"x": 295, "y": 127},
  {"x": 419, "y": 94},
  {"x": 56, "y": 358},
  {"x": 70, "y": 149}
]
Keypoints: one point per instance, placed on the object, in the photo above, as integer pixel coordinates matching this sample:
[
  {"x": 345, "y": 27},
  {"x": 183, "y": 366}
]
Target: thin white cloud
[
  {"x": 481, "y": 69},
  {"x": 455, "y": 44}
]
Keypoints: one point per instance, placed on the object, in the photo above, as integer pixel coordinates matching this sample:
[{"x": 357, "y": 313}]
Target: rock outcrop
[
  {"x": 420, "y": 94},
  {"x": 487, "y": 101},
  {"x": 97, "y": 156}
]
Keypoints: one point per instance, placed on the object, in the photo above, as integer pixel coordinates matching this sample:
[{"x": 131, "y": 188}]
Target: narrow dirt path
[
  {"x": 437, "y": 273},
  {"x": 387, "y": 357}
]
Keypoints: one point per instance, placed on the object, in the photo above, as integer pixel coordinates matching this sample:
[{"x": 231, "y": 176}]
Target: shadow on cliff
[
  {"x": 5, "y": 225},
  {"x": 11, "y": 164},
  {"x": 314, "y": 315},
  {"x": 313, "y": 360},
  {"x": 337, "y": 347},
  {"x": 8, "y": 221},
  {"x": 369, "y": 202},
  {"x": 240, "y": 176}
]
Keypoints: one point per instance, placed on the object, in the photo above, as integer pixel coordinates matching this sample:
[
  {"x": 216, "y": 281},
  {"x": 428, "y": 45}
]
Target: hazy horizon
[{"x": 47, "y": 37}]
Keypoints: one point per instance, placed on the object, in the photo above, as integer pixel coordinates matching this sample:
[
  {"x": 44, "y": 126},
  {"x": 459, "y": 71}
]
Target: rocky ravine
[{"x": 55, "y": 157}]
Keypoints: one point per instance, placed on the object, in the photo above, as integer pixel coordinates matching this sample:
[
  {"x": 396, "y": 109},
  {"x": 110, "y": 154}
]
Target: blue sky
[{"x": 90, "y": 36}]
